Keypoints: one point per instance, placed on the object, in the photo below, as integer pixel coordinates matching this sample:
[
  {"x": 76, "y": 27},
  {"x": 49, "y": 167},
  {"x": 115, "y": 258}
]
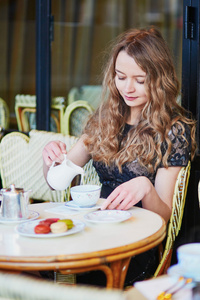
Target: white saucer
[
  {"x": 27, "y": 229},
  {"x": 177, "y": 271},
  {"x": 74, "y": 206},
  {"x": 32, "y": 216},
  {"x": 108, "y": 216}
]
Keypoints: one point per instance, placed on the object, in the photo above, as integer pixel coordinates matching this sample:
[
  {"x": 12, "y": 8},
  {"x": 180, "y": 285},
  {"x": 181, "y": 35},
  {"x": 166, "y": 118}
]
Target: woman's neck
[{"x": 134, "y": 117}]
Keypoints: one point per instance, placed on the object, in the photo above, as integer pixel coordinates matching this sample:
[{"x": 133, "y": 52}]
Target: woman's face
[{"x": 129, "y": 80}]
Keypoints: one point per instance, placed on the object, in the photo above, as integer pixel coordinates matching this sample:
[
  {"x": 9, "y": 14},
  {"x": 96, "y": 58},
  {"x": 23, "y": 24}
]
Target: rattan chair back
[
  {"x": 175, "y": 221},
  {"x": 21, "y": 163},
  {"x": 4, "y": 114},
  {"x": 25, "y": 110},
  {"x": 89, "y": 93},
  {"x": 75, "y": 117}
]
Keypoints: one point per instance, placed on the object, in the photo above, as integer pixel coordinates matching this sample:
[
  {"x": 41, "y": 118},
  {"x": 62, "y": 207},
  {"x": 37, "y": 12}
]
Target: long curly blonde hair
[{"x": 143, "y": 142}]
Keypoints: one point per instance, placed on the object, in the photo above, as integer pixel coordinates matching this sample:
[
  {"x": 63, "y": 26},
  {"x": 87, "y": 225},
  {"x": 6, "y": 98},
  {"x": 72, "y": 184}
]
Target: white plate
[
  {"x": 108, "y": 216},
  {"x": 32, "y": 216},
  {"x": 177, "y": 271},
  {"x": 27, "y": 229},
  {"x": 74, "y": 206}
]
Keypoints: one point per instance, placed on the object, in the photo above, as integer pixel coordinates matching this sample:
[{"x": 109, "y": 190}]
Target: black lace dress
[
  {"x": 144, "y": 265},
  {"x": 110, "y": 177}
]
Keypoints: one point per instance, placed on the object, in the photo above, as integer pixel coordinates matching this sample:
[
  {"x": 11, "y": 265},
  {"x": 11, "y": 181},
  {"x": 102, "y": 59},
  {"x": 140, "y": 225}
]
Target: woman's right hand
[{"x": 54, "y": 151}]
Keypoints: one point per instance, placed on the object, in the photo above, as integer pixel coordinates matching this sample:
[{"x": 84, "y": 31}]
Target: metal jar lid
[{"x": 12, "y": 190}]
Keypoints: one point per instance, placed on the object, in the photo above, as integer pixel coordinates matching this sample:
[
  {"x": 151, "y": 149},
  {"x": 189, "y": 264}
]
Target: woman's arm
[
  {"x": 163, "y": 192},
  {"x": 157, "y": 199},
  {"x": 54, "y": 151}
]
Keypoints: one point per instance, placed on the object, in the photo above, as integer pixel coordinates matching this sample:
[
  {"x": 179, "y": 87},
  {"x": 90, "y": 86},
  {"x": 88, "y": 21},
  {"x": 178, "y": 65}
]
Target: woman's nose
[{"x": 130, "y": 87}]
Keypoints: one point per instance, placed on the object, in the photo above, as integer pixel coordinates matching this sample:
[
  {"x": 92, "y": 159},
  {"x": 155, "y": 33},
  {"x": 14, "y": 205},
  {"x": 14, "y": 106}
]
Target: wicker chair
[
  {"x": 21, "y": 287},
  {"x": 75, "y": 117},
  {"x": 25, "y": 109},
  {"x": 21, "y": 163},
  {"x": 4, "y": 114},
  {"x": 175, "y": 221}
]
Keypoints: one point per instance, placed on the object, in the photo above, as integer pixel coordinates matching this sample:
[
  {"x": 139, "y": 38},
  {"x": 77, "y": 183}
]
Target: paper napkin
[
  {"x": 62, "y": 210},
  {"x": 151, "y": 288}
]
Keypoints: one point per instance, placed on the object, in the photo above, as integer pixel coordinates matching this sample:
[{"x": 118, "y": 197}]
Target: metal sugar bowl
[{"x": 14, "y": 203}]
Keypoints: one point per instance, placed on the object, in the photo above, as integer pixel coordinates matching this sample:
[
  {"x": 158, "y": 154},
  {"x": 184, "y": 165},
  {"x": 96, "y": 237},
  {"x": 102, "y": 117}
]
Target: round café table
[{"x": 105, "y": 247}]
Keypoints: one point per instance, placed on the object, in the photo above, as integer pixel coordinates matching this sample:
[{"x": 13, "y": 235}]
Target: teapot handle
[{"x": 53, "y": 164}]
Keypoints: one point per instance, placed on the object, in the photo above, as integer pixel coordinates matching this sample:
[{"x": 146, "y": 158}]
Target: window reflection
[{"x": 83, "y": 29}]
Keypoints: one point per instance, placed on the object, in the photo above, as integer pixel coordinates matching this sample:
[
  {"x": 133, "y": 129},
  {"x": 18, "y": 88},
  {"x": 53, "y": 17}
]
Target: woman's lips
[{"x": 130, "y": 98}]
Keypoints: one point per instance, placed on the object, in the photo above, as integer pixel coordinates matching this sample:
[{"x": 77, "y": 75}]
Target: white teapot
[{"x": 60, "y": 176}]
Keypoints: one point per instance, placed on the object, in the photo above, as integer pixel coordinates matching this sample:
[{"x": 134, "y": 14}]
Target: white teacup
[
  {"x": 85, "y": 195},
  {"x": 189, "y": 260},
  {"x": 60, "y": 176}
]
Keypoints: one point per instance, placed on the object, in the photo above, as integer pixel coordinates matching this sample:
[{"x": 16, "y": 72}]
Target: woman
[{"x": 140, "y": 137}]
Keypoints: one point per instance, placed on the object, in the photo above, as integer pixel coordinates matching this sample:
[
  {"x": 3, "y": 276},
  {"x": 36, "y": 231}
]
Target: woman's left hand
[{"x": 128, "y": 194}]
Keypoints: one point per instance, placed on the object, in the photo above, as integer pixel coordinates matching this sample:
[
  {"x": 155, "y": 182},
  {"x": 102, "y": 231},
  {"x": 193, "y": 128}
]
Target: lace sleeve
[{"x": 181, "y": 146}]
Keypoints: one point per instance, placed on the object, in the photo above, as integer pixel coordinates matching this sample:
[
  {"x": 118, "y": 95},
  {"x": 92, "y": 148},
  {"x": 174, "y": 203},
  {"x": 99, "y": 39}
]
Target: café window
[{"x": 82, "y": 31}]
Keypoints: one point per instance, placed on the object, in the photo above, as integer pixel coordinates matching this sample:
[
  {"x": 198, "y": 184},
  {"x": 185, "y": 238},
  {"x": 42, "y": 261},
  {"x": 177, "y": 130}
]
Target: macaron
[
  {"x": 42, "y": 229},
  {"x": 68, "y": 222},
  {"x": 58, "y": 227},
  {"x": 49, "y": 221}
]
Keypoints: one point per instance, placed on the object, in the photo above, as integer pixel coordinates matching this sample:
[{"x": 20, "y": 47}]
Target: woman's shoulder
[
  {"x": 180, "y": 129},
  {"x": 180, "y": 135}
]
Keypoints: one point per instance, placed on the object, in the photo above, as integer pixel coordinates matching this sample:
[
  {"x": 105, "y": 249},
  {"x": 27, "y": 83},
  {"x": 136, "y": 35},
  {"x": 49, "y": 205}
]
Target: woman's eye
[
  {"x": 140, "y": 81},
  {"x": 121, "y": 78}
]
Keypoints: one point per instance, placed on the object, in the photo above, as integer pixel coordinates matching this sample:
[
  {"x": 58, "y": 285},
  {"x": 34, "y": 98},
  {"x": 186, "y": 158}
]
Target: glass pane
[
  {"x": 84, "y": 28},
  {"x": 17, "y": 44}
]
